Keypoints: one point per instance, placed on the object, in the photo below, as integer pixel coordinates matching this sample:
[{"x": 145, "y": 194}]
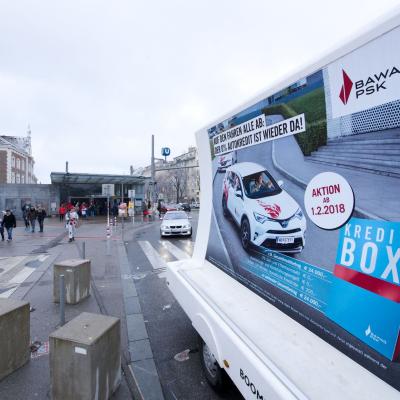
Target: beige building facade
[{"x": 16, "y": 161}]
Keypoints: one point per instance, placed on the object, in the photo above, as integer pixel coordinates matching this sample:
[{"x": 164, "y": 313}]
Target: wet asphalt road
[{"x": 169, "y": 329}]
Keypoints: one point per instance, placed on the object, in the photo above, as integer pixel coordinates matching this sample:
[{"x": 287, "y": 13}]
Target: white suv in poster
[{"x": 265, "y": 213}]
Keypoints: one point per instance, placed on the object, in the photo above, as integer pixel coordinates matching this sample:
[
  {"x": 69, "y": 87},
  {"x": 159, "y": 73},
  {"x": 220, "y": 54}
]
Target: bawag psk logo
[
  {"x": 373, "y": 336},
  {"x": 373, "y": 84},
  {"x": 346, "y": 88}
]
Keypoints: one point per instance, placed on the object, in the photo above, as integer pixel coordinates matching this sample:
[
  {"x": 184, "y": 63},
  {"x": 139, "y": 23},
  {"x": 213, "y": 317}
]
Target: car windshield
[
  {"x": 259, "y": 185},
  {"x": 175, "y": 215}
]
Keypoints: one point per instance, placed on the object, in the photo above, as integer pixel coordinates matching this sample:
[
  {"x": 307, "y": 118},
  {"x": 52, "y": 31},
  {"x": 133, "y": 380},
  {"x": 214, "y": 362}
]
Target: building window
[
  {"x": 22, "y": 178},
  {"x": 18, "y": 163},
  {"x": 17, "y": 179},
  {"x": 13, "y": 161},
  {"x": 23, "y": 165},
  {"x": 12, "y": 177}
]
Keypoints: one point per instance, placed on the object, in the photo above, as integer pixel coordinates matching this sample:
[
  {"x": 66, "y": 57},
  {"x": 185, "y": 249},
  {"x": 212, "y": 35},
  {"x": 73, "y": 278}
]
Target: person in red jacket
[{"x": 61, "y": 211}]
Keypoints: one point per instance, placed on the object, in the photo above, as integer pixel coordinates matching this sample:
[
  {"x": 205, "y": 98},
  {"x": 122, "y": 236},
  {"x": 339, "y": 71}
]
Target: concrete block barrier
[
  {"x": 77, "y": 280},
  {"x": 85, "y": 358},
  {"x": 14, "y": 335}
]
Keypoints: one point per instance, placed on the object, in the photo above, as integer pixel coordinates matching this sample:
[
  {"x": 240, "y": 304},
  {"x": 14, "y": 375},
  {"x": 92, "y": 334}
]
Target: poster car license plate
[{"x": 285, "y": 239}]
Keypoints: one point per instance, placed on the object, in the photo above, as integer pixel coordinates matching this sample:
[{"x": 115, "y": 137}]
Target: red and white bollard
[{"x": 108, "y": 239}]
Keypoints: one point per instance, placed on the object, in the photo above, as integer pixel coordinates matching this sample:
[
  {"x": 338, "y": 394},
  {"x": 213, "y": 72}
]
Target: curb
[
  {"x": 142, "y": 367},
  {"x": 358, "y": 212}
]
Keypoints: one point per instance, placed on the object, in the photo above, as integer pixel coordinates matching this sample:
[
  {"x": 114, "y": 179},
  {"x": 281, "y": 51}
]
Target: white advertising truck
[{"x": 294, "y": 286}]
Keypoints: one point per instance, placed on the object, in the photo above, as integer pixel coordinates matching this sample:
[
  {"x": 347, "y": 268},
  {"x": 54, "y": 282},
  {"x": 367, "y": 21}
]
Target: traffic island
[
  {"x": 85, "y": 358},
  {"x": 14, "y": 335},
  {"x": 77, "y": 280}
]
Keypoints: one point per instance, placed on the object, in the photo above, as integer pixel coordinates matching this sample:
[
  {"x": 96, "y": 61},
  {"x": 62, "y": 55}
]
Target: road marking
[
  {"x": 174, "y": 250},
  {"x": 8, "y": 293},
  {"x": 8, "y": 263},
  {"x": 155, "y": 260},
  {"x": 21, "y": 275},
  {"x": 16, "y": 270}
]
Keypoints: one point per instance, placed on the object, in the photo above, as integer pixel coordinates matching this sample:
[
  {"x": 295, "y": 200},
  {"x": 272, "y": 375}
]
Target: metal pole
[
  {"x": 153, "y": 170},
  {"x": 84, "y": 250},
  {"x": 108, "y": 241},
  {"x": 108, "y": 211},
  {"x": 108, "y": 225},
  {"x": 62, "y": 300}
]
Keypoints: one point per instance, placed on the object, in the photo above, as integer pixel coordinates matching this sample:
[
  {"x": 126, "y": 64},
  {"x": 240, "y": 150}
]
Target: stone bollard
[
  {"x": 14, "y": 335},
  {"x": 85, "y": 358},
  {"x": 77, "y": 280}
]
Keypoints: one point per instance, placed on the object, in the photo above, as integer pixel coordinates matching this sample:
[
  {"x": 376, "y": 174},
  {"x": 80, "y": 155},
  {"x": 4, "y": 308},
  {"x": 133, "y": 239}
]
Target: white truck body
[{"x": 267, "y": 354}]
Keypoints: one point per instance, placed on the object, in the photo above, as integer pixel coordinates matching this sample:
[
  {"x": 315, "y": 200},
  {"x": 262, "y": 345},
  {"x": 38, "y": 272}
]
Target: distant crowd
[
  {"x": 68, "y": 212},
  {"x": 30, "y": 214}
]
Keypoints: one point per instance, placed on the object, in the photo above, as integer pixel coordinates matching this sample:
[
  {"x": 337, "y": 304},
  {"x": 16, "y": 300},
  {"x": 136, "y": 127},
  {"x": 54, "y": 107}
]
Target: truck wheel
[
  {"x": 215, "y": 375},
  {"x": 245, "y": 234},
  {"x": 224, "y": 207}
]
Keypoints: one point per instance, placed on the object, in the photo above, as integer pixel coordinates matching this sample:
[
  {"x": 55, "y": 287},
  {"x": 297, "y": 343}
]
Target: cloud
[{"x": 96, "y": 79}]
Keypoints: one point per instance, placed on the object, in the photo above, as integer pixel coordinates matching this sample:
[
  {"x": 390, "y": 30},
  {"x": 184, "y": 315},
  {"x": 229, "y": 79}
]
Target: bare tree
[{"x": 179, "y": 182}]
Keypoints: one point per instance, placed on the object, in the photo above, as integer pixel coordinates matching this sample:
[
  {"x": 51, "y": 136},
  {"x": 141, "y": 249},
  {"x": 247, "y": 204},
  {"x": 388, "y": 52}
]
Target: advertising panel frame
[{"x": 382, "y": 26}]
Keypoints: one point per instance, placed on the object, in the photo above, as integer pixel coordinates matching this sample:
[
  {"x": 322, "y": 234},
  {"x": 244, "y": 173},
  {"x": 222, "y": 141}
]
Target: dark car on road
[{"x": 185, "y": 207}]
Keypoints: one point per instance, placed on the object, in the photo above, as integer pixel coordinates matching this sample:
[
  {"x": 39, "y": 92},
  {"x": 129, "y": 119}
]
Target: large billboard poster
[{"x": 306, "y": 209}]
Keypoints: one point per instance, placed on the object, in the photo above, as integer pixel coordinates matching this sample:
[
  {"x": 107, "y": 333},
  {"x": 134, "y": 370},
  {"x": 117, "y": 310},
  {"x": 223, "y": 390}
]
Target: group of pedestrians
[
  {"x": 30, "y": 214},
  {"x": 82, "y": 209}
]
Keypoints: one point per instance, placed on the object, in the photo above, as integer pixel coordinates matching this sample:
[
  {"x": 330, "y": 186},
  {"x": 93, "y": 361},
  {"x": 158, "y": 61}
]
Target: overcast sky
[{"x": 94, "y": 79}]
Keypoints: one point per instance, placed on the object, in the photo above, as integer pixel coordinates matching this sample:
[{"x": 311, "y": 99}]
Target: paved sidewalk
[
  {"x": 33, "y": 380},
  {"x": 376, "y": 196}
]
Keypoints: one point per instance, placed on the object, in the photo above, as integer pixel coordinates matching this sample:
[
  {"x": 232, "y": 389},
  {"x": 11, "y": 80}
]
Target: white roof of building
[{"x": 20, "y": 144}]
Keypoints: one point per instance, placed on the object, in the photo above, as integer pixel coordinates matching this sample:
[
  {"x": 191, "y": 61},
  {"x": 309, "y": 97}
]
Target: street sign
[
  {"x": 131, "y": 193},
  {"x": 165, "y": 151},
  {"x": 107, "y": 189}
]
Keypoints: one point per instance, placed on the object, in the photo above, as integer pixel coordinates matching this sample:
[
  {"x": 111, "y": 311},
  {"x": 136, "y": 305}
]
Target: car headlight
[
  {"x": 260, "y": 218},
  {"x": 299, "y": 214}
]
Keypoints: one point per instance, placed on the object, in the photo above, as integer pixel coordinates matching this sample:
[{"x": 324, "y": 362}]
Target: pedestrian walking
[
  {"x": 41, "y": 215},
  {"x": 2, "y": 213},
  {"x": 61, "y": 212},
  {"x": 84, "y": 210},
  {"x": 72, "y": 220},
  {"x": 91, "y": 210},
  {"x": 25, "y": 210},
  {"x": 32, "y": 215},
  {"x": 9, "y": 222}
]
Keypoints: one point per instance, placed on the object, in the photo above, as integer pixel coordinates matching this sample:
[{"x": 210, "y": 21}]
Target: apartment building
[{"x": 16, "y": 161}]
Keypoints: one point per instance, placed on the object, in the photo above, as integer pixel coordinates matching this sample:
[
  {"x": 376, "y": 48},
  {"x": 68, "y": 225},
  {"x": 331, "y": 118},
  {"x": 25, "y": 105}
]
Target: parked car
[
  {"x": 195, "y": 204},
  {"x": 184, "y": 207},
  {"x": 265, "y": 213},
  {"x": 176, "y": 223},
  {"x": 226, "y": 160}
]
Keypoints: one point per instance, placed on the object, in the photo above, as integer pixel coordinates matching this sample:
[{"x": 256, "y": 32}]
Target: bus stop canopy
[{"x": 77, "y": 178}]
